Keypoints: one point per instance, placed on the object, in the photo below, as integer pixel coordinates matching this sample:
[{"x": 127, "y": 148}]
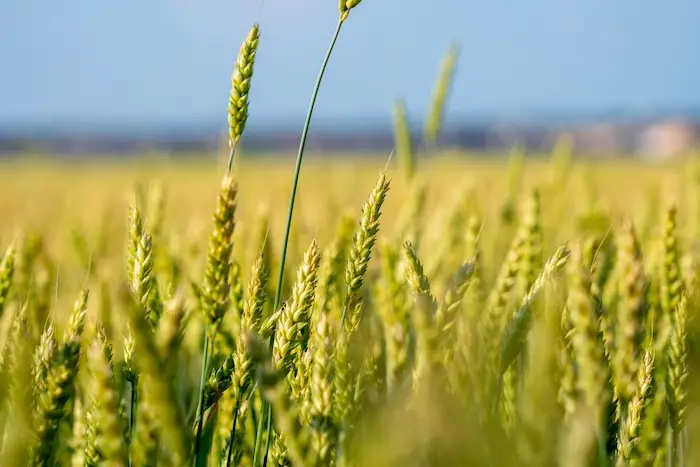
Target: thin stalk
[
  {"x": 297, "y": 168},
  {"x": 268, "y": 433},
  {"x": 280, "y": 277},
  {"x": 200, "y": 410},
  {"x": 231, "y": 153},
  {"x": 253, "y": 414},
  {"x": 259, "y": 432},
  {"x": 132, "y": 416},
  {"x": 233, "y": 430}
]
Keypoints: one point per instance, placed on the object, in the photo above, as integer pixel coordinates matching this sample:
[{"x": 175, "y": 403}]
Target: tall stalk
[{"x": 267, "y": 409}]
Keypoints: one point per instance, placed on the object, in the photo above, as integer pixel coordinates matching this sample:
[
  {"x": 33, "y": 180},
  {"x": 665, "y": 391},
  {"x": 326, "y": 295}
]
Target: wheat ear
[{"x": 239, "y": 99}]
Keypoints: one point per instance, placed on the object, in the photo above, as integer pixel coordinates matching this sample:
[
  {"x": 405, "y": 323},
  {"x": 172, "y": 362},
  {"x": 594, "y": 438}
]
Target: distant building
[{"x": 667, "y": 139}]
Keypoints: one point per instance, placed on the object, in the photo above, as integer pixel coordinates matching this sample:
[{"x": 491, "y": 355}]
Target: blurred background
[{"x": 127, "y": 77}]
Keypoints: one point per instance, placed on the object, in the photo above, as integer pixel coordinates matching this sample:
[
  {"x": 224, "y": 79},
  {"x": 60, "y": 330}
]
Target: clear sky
[{"x": 170, "y": 61}]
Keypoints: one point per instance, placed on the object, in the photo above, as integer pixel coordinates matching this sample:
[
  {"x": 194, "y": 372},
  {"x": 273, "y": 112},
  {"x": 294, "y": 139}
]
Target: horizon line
[{"x": 201, "y": 124}]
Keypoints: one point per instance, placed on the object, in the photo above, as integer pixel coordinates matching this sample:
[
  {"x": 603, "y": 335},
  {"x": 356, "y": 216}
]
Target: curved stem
[
  {"x": 297, "y": 168},
  {"x": 287, "y": 229}
]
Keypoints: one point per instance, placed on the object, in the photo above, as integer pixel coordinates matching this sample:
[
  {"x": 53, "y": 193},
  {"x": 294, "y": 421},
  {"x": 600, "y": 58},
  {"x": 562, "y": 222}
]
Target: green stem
[
  {"x": 231, "y": 153},
  {"x": 132, "y": 416},
  {"x": 268, "y": 435},
  {"x": 200, "y": 411},
  {"x": 253, "y": 414},
  {"x": 232, "y": 436},
  {"x": 290, "y": 210},
  {"x": 259, "y": 433}
]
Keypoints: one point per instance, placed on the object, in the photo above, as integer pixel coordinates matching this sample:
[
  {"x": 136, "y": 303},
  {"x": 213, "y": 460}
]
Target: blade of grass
[{"x": 200, "y": 410}]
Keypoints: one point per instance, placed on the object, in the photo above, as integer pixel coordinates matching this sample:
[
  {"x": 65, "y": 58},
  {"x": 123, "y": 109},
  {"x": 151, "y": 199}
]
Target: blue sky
[{"x": 170, "y": 61}]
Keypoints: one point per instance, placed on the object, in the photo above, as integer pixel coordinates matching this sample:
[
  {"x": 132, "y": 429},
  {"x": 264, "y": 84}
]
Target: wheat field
[
  {"x": 106, "y": 266},
  {"x": 424, "y": 308}
]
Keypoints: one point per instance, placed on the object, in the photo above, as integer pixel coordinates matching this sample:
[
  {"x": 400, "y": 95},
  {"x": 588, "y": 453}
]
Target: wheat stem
[
  {"x": 236, "y": 409},
  {"x": 287, "y": 229}
]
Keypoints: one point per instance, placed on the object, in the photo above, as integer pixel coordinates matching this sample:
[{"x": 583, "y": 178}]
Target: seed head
[
  {"x": 240, "y": 86},
  {"x": 345, "y": 6}
]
